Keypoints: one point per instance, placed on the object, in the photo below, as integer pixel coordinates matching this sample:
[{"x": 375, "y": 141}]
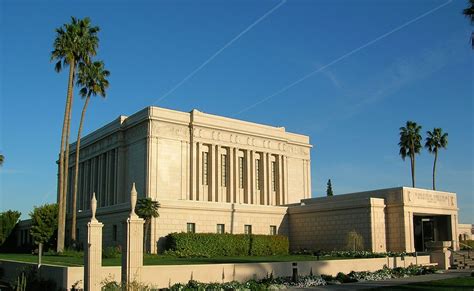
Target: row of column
[{"x": 269, "y": 189}]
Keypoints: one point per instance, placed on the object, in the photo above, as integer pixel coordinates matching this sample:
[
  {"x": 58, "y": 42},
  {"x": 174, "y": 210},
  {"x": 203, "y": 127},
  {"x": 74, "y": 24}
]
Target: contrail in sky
[
  {"x": 238, "y": 36},
  {"x": 342, "y": 58}
]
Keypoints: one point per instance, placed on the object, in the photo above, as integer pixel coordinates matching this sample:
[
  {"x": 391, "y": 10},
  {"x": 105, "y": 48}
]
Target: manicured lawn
[
  {"x": 76, "y": 260},
  {"x": 461, "y": 283}
]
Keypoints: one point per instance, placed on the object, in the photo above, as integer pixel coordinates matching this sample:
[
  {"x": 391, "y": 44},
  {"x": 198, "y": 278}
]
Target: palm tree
[
  {"x": 469, "y": 12},
  {"x": 92, "y": 77},
  {"x": 436, "y": 140},
  {"x": 2, "y": 158},
  {"x": 410, "y": 144},
  {"x": 75, "y": 42},
  {"x": 147, "y": 209}
]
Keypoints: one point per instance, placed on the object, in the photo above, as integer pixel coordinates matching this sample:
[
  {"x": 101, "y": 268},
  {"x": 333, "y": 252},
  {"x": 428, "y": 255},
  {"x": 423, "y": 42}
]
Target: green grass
[
  {"x": 461, "y": 283},
  {"x": 77, "y": 260}
]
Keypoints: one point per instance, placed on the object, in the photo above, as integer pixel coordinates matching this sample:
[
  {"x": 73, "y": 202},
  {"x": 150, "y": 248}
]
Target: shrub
[
  {"x": 44, "y": 225},
  {"x": 214, "y": 245},
  {"x": 111, "y": 252},
  {"x": 466, "y": 243},
  {"x": 8, "y": 221}
]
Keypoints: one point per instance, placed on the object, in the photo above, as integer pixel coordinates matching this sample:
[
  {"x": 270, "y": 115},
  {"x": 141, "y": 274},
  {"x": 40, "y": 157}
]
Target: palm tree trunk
[
  {"x": 412, "y": 158},
  {"x": 434, "y": 169},
  {"x": 76, "y": 172},
  {"x": 147, "y": 223},
  {"x": 61, "y": 202}
]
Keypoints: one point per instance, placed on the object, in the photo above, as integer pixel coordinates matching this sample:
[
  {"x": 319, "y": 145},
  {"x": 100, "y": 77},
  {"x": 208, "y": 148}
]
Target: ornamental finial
[
  {"x": 133, "y": 200},
  {"x": 93, "y": 206}
]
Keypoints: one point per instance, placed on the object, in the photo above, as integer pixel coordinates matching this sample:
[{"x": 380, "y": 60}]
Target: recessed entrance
[{"x": 430, "y": 228}]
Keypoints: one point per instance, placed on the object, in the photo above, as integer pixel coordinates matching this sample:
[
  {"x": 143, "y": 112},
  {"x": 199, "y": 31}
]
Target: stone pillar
[
  {"x": 285, "y": 179},
  {"x": 280, "y": 180},
  {"x": 93, "y": 253},
  {"x": 219, "y": 195},
  {"x": 230, "y": 186},
  {"x": 132, "y": 251},
  {"x": 264, "y": 179},
  {"x": 247, "y": 177},
  {"x": 212, "y": 173}
]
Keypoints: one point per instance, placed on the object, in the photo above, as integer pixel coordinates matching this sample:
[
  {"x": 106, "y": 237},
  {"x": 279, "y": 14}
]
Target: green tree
[
  {"x": 8, "y": 221},
  {"x": 147, "y": 209},
  {"x": 469, "y": 13},
  {"x": 44, "y": 224},
  {"x": 436, "y": 140},
  {"x": 329, "y": 189},
  {"x": 75, "y": 42},
  {"x": 92, "y": 77},
  {"x": 410, "y": 144}
]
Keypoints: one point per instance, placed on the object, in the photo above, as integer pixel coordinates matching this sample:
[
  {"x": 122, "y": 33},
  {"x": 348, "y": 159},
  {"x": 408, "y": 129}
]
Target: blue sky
[{"x": 375, "y": 67}]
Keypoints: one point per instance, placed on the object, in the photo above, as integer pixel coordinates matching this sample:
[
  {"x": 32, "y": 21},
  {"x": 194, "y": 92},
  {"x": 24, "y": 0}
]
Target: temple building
[{"x": 217, "y": 174}]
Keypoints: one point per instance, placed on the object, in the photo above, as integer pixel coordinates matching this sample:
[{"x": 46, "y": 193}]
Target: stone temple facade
[{"x": 217, "y": 174}]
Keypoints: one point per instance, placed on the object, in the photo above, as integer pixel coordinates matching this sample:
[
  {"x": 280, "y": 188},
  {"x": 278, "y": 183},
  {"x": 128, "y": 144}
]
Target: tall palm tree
[
  {"x": 92, "y": 77},
  {"x": 469, "y": 12},
  {"x": 436, "y": 140},
  {"x": 75, "y": 42},
  {"x": 410, "y": 144},
  {"x": 2, "y": 158},
  {"x": 147, "y": 209}
]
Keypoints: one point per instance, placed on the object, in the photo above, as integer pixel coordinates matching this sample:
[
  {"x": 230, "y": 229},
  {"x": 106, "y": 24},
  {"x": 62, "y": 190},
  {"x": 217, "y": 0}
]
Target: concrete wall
[
  {"x": 163, "y": 276},
  {"x": 325, "y": 225}
]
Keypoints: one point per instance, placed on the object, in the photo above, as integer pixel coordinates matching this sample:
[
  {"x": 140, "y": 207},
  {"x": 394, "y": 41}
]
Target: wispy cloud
[
  {"x": 9, "y": 171},
  {"x": 219, "y": 51},
  {"x": 343, "y": 57}
]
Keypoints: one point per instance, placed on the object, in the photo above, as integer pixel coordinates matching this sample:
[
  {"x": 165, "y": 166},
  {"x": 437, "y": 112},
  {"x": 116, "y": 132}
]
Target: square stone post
[
  {"x": 93, "y": 254},
  {"x": 132, "y": 252}
]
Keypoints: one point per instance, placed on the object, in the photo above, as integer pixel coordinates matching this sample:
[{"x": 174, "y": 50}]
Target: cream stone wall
[
  {"x": 465, "y": 232},
  {"x": 325, "y": 225}
]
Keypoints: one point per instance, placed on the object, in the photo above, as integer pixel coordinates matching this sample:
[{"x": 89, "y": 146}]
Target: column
[
  {"x": 285, "y": 179},
  {"x": 279, "y": 194},
  {"x": 212, "y": 174},
  {"x": 198, "y": 174},
  {"x": 193, "y": 176},
  {"x": 132, "y": 256},
  {"x": 107, "y": 179},
  {"x": 248, "y": 177},
  {"x": 93, "y": 255},
  {"x": 219, "y": 195},
  {"x": 230, "y": 186},
  {"x": 264, "y": 180},
  {"x": 308, "y": 169}
]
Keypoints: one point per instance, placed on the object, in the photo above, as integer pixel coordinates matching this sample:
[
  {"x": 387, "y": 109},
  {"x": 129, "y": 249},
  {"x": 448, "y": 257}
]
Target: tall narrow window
[
  {"x": 114, "y": 232},
  {"x": 191, "y": 227},
  {"x": 248, "y": 229},
  {"x": 257, "y": 173},
  {"x": 273, "y": 176},
  {"x": 241, "y": 172},
  {"x": 224, "y": 170},
  {"x": 273, "y": 230},
  {"x": 205, "y": 168},
  {"x": 220, "y": 228}
]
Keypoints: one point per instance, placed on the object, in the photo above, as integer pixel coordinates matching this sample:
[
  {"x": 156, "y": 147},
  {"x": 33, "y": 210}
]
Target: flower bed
[{"x": 308, "y": 281}]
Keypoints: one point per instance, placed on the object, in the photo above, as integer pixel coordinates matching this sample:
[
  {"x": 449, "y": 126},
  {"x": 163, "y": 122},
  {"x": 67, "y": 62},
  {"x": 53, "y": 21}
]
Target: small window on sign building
[
  {"x": 191, "y": 227},
  {"x": 273, "y": 229},
  {"x": 220, "y": 228},
  {"x": 248, "y": 229}
]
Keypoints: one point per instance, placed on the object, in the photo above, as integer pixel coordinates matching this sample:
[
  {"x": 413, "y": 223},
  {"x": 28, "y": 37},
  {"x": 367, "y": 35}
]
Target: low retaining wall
[{"x": 164, "y": 275}]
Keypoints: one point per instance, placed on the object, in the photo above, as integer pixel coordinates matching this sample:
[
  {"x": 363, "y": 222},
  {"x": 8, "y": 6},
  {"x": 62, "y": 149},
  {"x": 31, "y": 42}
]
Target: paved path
[{"x": 395, "y": 282}]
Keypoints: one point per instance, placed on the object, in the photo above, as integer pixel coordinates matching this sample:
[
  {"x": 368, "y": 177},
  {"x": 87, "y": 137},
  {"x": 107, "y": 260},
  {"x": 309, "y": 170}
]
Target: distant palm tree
[
  {"x": 2, "y": 158},
  {"x": 469, "y": 12},
  {"x": 436, "y": 140},
  {"x": 75, "y": 42},
  {"x": 410, "y": 144},
  {"x": 147, "y": 209},
  {"x": 92, "y": 77}
]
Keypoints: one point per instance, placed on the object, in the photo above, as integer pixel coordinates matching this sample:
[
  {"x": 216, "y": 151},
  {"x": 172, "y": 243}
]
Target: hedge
[{"x": 216, "y": 245}]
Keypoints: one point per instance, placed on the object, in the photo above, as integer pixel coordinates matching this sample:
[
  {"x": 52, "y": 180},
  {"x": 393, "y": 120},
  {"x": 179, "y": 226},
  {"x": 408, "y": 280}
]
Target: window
[
  {"x": 257, "y": 173},
  {"x": 248, "y": 229},
  {"x": 114, "y": 232},
  {"x": 205, "y": 168},
  {"x": 224, "y": 170},
  {"x": 241, "y": 172},
  {"x": 273, "y": 176},
  {"x": 191, "y": 227},
  {"x": 273, "y": 230},
  {"x": 221, "y": 228}
]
